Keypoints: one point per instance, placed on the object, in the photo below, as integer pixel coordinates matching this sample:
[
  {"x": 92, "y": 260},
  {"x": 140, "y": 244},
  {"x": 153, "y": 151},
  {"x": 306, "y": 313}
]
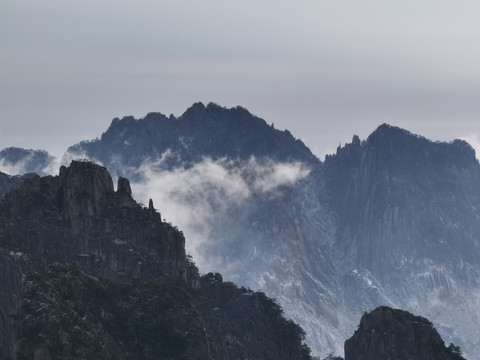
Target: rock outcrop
[
  {"x": 247, "y": 324},
  {"x": 78, "y": 217},
  {"x": 388, "y": 333}
]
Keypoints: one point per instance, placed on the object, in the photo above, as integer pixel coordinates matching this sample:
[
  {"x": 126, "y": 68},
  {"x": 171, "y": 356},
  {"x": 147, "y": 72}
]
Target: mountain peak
[
  {"x": 196, "y": 109},
  {"x": 387, "y": 131},
  {"x": 392, "y": 143},
  {"x": 199, "y": 110}
]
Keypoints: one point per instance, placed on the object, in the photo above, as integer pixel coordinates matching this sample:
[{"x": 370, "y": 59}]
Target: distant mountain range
[{"x": 390, "y": 220}]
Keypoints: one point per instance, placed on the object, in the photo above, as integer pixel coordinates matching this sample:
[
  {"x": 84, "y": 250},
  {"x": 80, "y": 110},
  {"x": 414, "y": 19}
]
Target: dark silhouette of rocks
[{"x": 388, "y": 333}]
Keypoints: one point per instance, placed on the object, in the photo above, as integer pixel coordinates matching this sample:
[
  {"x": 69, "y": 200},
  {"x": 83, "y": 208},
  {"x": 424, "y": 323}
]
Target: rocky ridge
[{"x": 211, "y": 131}]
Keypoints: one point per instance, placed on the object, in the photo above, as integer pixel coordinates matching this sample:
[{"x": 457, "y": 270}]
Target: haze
[{"x": 325, "y": 70}]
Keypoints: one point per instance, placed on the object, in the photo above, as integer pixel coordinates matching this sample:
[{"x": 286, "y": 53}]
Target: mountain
[
  {"x": 388, "y": 333},
  {"x": 396, "y": 183},
  {"x": 390, "y": 220},
  {"x": 211, "y": 131},
  {"x": 250, "y": 227},
  {"x": 407, "y": 212},
  {"x": 86, "y": 272},
  {"x": 18, "y": 161}
]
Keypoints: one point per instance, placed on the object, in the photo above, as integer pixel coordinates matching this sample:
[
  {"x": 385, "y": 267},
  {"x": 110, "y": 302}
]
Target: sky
[{"x": 323, "y": 69}]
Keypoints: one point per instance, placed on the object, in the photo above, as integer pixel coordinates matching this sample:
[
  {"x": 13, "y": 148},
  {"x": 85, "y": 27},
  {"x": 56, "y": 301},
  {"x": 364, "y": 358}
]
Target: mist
[
  {"x": 194, "y": 198},
  {"x": 13, "y": 168}
]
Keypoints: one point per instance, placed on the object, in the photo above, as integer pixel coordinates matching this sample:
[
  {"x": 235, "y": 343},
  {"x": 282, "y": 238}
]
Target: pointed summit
[
  {"x": 386, "y": 133},
  {"x": 195, "y": 110}
]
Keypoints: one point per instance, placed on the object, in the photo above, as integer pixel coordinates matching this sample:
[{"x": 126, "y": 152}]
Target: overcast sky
[{"x": 324, "y": 69}]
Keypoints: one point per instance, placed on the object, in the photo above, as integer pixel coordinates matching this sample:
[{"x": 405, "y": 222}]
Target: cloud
[
  {"x": 10, "y": 168},
  {"x": 269, "y": 176},
  {"x": 195, "y": 197},
  {"x": 27, "y": 164}
]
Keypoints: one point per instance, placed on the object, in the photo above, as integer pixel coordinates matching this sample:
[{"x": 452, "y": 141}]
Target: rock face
[
  {"x": 387, "y": 333},
  {"x": 69, "y": 313},
  {"x": 407, "y": 213},
  {"x": 247, "y": 324},
  {"x": 396, "y": 188},
  {"x": 78, "y": 217},
  {"x": 102, "y": 276},
  {"x": 8, "y": 182}
]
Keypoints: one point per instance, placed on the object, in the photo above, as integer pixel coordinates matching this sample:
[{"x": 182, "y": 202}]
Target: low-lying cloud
[
  {"x": 9, "y": 168},
  {"x": 195, "y": 197},
  {"x": 27, "y": 164}
]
